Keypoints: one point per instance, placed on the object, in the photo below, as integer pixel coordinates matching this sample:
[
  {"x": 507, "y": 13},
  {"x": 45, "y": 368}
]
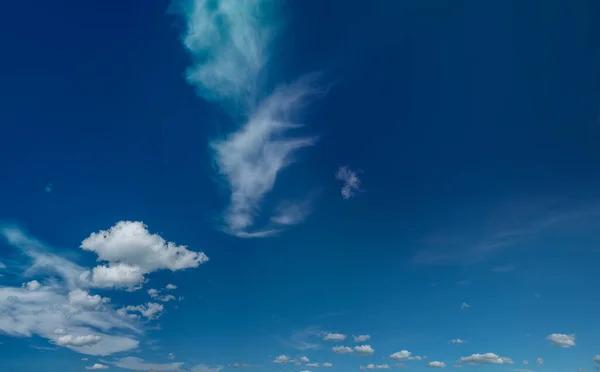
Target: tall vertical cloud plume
[{"x": 230, "y": 42}]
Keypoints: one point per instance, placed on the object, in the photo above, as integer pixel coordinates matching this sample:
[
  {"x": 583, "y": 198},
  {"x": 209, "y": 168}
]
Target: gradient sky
[{"x": 299, "y": 185}]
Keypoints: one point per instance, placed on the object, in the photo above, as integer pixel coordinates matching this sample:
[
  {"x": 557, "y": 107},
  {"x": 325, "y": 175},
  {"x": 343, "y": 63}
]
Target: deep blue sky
[{"x": 473, "y": 126}]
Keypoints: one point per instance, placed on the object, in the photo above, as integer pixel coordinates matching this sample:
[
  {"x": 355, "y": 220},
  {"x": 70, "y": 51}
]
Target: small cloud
[
  {"x": 525, "y": 362},
  {"x": 562, "y": 340},
  {"x": 457, "y": 341},
  {"x": 342, "y": 349},
  {"x": 32, "y": 285},
  {"x": 171, "y": 356},
  {"x": 539, "y": 361},
  {"x": 70, "y": 340},
  {"x": 282, "y": 359},
  {"x": 312, "y": 364},
  {"x": 465, "y": 305},
  {"x": 327, "y": 365},
  {"x": 537, "y": 295},
  {"x": 596, "y": 358},
  {"x": 361, "y": 338},
  {"x": 304, "y": 359},
  {"x": 363, "y": 350},
  {"x": 404, "y": 355},
  {"x": 436, "y": 364},
  {"x": 375, "y": 366},
  {"x": 334, "y": 337},
  {"x": 487, "y": 358},
  {"x": 170, "y": 287},
  {"x": 84, "y": 359},
  {"x": 350, "y": 179},
  {"x": 97, "y": 366}
]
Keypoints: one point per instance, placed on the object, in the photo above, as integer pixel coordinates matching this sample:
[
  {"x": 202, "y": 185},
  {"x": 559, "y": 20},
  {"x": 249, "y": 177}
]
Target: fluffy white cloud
[
  {"x": 457, "y": 341},
  {"x": 465, "y": 305},
  {"x": 32, "y": 285},
  {"x": 404, "y": 355},
  {"x": 170, "y": 287},
  {"x": 596, "y": 358},
  {"x": 361, "y": 338},
  {"x": 86, "y": 340},
  {"x": 153, "y": 292},
  {"x": 487, "y": 358},
  {"x": 342, "y": 349},
  {"x": 138, "y": 364},
  {"x": 363, "y": 350},
  {"x": 304, "y": 359},
  {"x": 562, "y": 340},
  {"x": 351, "y": 181},
  {"x": 97, "y": 366},
  {"x": 118, "y": 275},
  {"x": 436, "y": 364},
  {"x": 151, "y": 310},
  {"x": 539, "y": 361},
  {"x": 375, "y": 366},
  {"x": 327, "y": 365},
  {"x": 334, "y": 337},
  {"x": 81, "y": 298},
  {"x": 282, "y": 359}
]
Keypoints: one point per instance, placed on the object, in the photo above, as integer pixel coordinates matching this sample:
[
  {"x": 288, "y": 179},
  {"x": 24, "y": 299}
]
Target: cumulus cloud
[
  {"x": 436, "y": 364},
  {"x": 562, "y": 340},
  {"x": 334, "y": 337},
  {"x": 138, "y": 364},
  {"x": 230, "y": 44},
  {"x": 361, "y": 338},
  {"x": 170, "y": 287},
  {"x": 351, "y": 181},
  {"x": 312, "y": 364},
  {"x": 539, "y": 361},
  {"x": 342, "y": 349},
  {"x": 151, "y": 310},
  {"x": 32, "y": 285},
  {"x": 97, "y": 366},
  {"x": 70, "y": 340},
  {"x": 363, "y": 350},
  {"x": 282, "y": 359},
  {"x": 404, "y": 355},
  {"x": 81, "y": 298},
  {"x": 131, "y": 252},
  {"x": 304, "y": 359},
  {"x": 487, "y": 358},
  {"x": 375, "y": 366}
]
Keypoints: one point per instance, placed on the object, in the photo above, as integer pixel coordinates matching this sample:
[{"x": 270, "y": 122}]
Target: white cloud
[
  {"x": 487, "y": 358},
  {"x": 596, "y": 358},
  {"x": 84, "y": 359},
  {"x": 539, "y": 361},
  {"x": 436, "y": 364},
  {"x": 304, "y": 359},
  {"x": 153, "y": 293},
  {"x": 361, "y": 338},
  {"x": 81, "y": 298},
  {"x": 32, "y": 285},
  {"x": 171, "y": 356},
  {"x": 97, "y": 366},
  {"x": 206, "y": 368},
  {"x": 170, "y": 287},
  {"x": 282, "y": 359},
  {"x": 151, "y": 310},
  {"x": 131, "y": 252},
  {"x": 363, "y": 350},
  {"x": 457, "y": 341},
  {"x": 312, "y": 364},
  {"x": 60, "y": 331},
  {"x": 464, "y": 305},
  {"x": 138, "y": 364},
  {"x": 327, "y": 365},
  {"x": 404, "y": 355},
  {"x": 562, "y": 340},
  {"x": 342, "y": 349},
  {"x": 375, "y": 366},
  {"x": 334, "y": 337},
  {"x": 229, "y": 44},
  {"x": 70, "y": 340},
  {"x": 351, "y": 181}
]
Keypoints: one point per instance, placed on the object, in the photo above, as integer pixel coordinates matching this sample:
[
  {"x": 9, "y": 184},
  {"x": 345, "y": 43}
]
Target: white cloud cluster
[
  {"x": 155, "y": 294},
  {"x": 436, "y": 364},
  {"x": 81, "y": 298},
  {"x": 281, "y": 359},
  {"x": 151, "y": 310},
  {"x": 362, "y": 350},
  {"x": 562, "y": 340},
  {"x": 132, "y": 252},
  {"x": 375, "y": 366},
  {"x": 404, "y": 355},
  {"x": 351, "y": 181},
  {"x": 487, "y": 358},
  {"x": 334, "y": 337}
]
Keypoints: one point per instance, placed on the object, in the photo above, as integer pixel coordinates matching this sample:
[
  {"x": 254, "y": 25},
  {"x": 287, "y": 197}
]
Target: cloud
[
  {"x": 155, "y": 294},
  {"x": 363, "y": 350},
  {"x": 326, "y": 365},
  {"x": 457, "y": 341},
  {"x": 436, "y": 364},
  {"x": 282, "y": 359},
  {"x": 81, "y": 298},
  {"x": 487, "y": 358},
  {"x": 375, "y": 366},
  {"x": 97, "y": 366},
  {"x": 312, "y": 364},
  {"x": 361, "y": 338},
  {"x": 170, "y": 287},
  {"x": 138, "y": 364},
  {"x": 596, "y": 358},
  {"x": 70, "y": 340},
  {"x": 48, "y": 188},
  {"x": 304, "y": 359},
  {"x": 334, "y": 337},
  {"x": 171, "y": 356},
  {"x": 206, "y": 368},
  {"x": 301, "y": 340},
  {"x": 151, "y": 310},
  {"x": 292, "y": 213},
  {"x": 342, "y": 349},
  {"x": 131, "y": 252},
  {"x": 562, "y": 340},
  {"x": 525, "y": 362},
  {"x": 464, "y": 305},
  {"x": 350, "y": 179},
  {"x": 230, "y": 44},
  {"x": 2, "y": 266},
  {"x": 404, "y": 355},
  {"x": 32, "y": 285},
  {"x": 539, "y": 361}
]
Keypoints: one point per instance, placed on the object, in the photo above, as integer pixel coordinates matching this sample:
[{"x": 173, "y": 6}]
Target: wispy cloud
[
  {"x": 351, "y": 182},
  {"x": 302, "y": 339},
  {"x": 230, "y": 42}
]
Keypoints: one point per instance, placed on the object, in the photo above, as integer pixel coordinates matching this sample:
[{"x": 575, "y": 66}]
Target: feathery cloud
[{"x": 351, "y": 181}]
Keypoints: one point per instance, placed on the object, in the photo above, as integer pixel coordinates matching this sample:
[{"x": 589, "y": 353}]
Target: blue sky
[{"x": 207, "y": 186}]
